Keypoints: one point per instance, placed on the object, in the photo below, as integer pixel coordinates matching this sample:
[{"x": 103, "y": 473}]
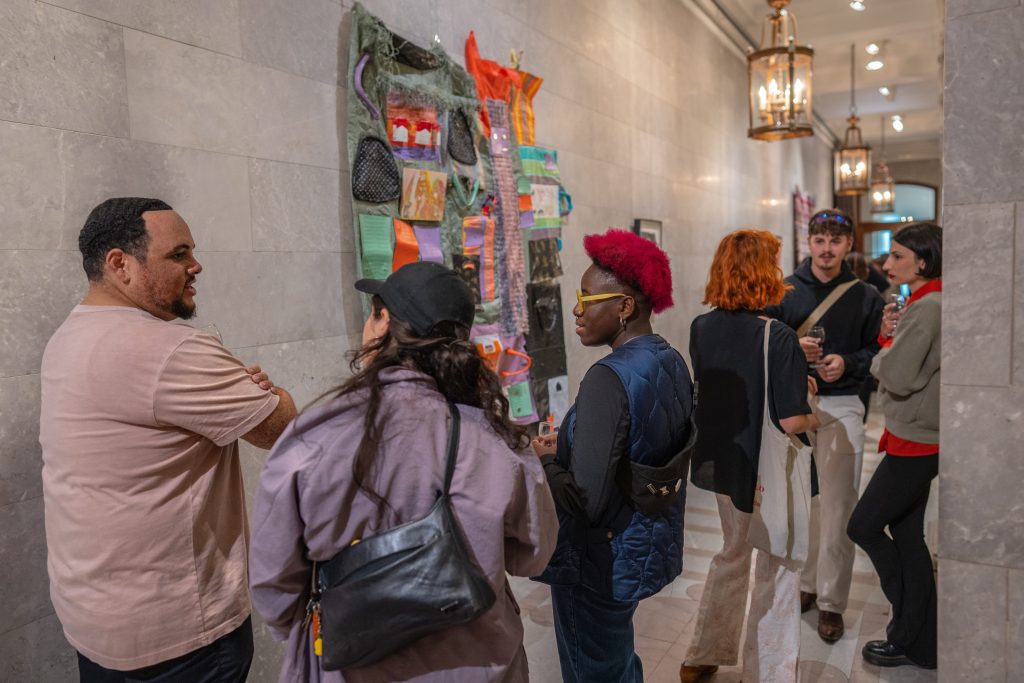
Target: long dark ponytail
[{"x": 448, "y": 357}]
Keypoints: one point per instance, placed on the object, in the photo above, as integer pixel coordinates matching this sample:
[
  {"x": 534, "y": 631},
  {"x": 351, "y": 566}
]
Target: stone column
[{"x": 981, "y": 513}]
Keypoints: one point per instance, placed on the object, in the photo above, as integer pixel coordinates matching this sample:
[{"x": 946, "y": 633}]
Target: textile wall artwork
[
  {"x": 445, "y": 168},
  {"x": 803, "y": 209}
]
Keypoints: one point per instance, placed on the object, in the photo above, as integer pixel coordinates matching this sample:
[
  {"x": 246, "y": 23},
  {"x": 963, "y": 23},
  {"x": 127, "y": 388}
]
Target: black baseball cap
[{"x": 424, "y": 294}]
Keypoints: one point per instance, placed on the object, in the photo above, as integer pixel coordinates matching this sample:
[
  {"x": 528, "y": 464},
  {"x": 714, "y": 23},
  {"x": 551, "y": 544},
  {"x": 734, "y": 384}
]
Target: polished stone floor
[{"x": 664, "y": 623}]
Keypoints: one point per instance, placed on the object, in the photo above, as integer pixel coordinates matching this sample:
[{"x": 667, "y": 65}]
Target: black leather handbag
[{"x": 383, "y": 593}]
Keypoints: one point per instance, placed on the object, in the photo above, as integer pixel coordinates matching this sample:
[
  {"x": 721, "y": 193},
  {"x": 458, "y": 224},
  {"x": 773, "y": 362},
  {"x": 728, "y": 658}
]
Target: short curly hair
[
  {"x": 745, "y": 274},
  {"x": 116, "y": 223},
  {"x": 634, "y": 261}
]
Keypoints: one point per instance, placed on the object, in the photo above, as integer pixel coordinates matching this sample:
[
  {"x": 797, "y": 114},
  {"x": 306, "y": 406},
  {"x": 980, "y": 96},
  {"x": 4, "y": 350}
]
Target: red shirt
[{"x": 890, "y": 443}]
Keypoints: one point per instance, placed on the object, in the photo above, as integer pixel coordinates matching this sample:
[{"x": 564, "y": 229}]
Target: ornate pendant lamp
[
  {"x": 852, "y": 161},
  {"x": 883, "y": 188},
  {"x": 779, "y": 80}
]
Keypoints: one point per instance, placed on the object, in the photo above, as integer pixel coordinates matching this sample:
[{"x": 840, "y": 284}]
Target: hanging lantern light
[
  {"x": 852, "y": 161},
  {"x": 883, "y": 188},
  {"x": 779, "y": 79}
]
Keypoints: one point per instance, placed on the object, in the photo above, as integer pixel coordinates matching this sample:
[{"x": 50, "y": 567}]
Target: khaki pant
[
  {"x": 771, "y": 649},
  {"x": 838, "y": 456}
]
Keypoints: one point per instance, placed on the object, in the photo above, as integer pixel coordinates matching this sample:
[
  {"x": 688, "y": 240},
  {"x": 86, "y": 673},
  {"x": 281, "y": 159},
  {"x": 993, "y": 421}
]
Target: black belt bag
[
  {"x": 386, "y": 591},
  {"x": 653, "y": 490}
]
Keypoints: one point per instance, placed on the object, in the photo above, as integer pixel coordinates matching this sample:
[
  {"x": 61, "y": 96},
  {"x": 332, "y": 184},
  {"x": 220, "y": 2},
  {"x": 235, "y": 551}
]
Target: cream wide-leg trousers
[
  {"x": 771, "y": 649},
  {"x": 838, "y": 457}
]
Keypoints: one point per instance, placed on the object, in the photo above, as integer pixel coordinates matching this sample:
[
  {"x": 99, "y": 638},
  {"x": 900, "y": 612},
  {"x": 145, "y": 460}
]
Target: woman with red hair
[
  {"x": 727, "y": 350},
  {"x": 617, "y": 467}
]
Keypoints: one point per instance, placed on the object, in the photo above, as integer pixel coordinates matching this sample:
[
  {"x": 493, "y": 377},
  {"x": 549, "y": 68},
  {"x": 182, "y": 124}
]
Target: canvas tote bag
[{"x": 782, "y": 498}]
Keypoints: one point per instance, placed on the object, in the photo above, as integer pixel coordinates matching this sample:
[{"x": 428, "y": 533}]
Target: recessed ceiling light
[
  {"x": 884, "y": 91},
  {"x": 872, "y": 48},
  {"x": 897, "y": 123},
  {"x": 857, "y": 5},
  {"x": 874, "y": 65}
]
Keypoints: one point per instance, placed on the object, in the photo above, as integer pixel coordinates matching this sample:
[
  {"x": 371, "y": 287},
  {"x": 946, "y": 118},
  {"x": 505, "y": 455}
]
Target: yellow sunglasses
[{"x": 595, "y": 297}]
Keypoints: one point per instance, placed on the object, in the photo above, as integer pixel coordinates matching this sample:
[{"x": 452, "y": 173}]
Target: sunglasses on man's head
[{"x": 830, "y": 217}]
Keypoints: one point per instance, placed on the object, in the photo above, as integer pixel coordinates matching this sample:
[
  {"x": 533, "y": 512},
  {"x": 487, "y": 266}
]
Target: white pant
[
  {"x": 772, "y": 646},
  {"x": 838, "y": 456}
]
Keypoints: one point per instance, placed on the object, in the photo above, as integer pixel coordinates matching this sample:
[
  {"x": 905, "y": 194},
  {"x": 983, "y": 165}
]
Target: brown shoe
[
  {"x": 691, "y": 673},
  {"x": 807, "y": 601},
  {"x": 830, "y": 626}
]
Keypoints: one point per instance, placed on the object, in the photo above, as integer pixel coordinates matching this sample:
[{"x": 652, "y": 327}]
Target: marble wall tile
[
  {"x": 1018, "y": 301},
  {"x": 38, "y": 652},
  {"x": 267, "y": 298},
  {"x": 300, "y": 38},
  {"x": 31, "y": 186},
  {"x": 20, "y": 459},
  {"x": 268, "y": 653},
  {"x": 306, "y": 368},
  {"x": 181, "y": 95},
  {"x": 37, "y": 291},
  {"x": 978, "y": 240},
  {"x": 972, "y": 620},
  {"x": 981, "y": 428},
  {"x": 61, "y": 69},
  {"x": 1015, "y": 622},
  {"x": 210, "y": 191},
  {"x": 978, "y": 165},
  {"x": 297, "y": 208},
  {"x": 960, "y": 8},
  {"x": 24, "y": 593},
  {"x": 210, "y": 25}
]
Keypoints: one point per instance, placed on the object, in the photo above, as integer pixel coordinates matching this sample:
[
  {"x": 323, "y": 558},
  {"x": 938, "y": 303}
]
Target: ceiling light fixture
[
  {"x": 779, "y": 80},
  {"x": 852, "y": 161},
  {"x": 897, "y": 123},
  {"x": 886, "y": 91},
  {"x": 883, "y": 187},
  {"x": 858, "y": 5},
  {"x": 872, "y": 48},
  {"x": 874, "y": 65}
]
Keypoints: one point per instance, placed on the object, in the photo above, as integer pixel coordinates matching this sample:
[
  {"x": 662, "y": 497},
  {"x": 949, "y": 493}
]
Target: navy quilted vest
[{"x": 648, "y": 553}]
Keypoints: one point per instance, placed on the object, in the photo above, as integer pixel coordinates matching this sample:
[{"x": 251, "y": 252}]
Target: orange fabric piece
[
  {"x": 493, "y": 81},
  {"x": 526, "y": 202},
  {"x": 521, "y": 111},
  {"x": 407, "y": 249}
]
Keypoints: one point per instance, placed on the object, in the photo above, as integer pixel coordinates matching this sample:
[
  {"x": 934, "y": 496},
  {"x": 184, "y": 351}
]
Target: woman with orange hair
[{"x": 727, "y": 349}]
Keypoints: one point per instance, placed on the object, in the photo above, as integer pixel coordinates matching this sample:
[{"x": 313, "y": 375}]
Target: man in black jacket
[{"x": 840, "y": 366}]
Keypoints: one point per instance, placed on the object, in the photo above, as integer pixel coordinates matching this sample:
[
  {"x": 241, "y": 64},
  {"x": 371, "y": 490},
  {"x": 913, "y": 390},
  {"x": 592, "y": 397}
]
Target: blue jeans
[
  {"x": 595, "y": 637},
  {"x": 225, "y": 660}
]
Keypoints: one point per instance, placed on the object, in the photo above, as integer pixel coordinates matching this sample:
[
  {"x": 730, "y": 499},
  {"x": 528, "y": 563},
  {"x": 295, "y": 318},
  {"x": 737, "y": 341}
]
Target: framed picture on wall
[{"x": 648, "y": 229}]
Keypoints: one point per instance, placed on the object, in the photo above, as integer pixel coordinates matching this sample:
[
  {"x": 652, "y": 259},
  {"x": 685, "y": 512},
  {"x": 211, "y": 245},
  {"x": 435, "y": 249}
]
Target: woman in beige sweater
[{"x": 907, "y": 369}]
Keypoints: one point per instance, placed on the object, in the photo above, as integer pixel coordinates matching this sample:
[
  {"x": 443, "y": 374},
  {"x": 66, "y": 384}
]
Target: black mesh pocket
[
  {"x": 375, "y": 173},
  {"x": 414, "y": 55},
  {"x": 460, "y": 138}
]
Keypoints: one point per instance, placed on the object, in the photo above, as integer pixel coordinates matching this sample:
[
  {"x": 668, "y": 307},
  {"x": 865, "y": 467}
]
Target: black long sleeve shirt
[
  {"x": 587, "y": 489},
  {"x": 851, "y": 324}
]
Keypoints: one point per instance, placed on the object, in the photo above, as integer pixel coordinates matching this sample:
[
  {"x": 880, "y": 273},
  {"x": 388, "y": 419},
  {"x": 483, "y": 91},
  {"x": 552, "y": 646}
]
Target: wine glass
[
  {"x": 818, "y": 334},
  {"x": 899, "y": 302}
]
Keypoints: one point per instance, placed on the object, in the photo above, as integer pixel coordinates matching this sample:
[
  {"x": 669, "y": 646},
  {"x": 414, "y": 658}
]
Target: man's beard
[{"x": 182, "y": 310}]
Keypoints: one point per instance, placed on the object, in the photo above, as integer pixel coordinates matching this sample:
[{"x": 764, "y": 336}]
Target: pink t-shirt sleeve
[{"x": 203, "y": 388}]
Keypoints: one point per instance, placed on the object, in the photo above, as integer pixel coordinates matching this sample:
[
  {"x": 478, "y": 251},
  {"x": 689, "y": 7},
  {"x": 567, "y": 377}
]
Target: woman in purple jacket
[{"x": 373, "y": 457}]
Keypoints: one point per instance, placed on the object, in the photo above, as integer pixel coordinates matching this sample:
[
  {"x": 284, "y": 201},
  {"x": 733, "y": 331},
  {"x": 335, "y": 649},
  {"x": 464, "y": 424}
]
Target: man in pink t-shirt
[{"x": 146, "y": 525}]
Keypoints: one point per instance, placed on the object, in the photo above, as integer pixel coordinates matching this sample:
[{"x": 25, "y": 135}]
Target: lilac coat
[{"x": 308, "y": 508}]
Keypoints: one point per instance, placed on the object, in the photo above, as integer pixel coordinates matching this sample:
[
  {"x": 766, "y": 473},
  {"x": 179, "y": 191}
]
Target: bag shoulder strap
[
  {"x": 453, "y": 448},
  {"x": 826, "y": 303}
]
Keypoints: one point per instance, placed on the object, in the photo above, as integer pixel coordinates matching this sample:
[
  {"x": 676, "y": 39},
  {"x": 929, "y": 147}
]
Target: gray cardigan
[
  {"x": 908, "y": 372},
  {"x": 308, "y": 508}
]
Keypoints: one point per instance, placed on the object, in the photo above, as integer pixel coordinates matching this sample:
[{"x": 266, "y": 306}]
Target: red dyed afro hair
[{"x": 634, "y": 261}]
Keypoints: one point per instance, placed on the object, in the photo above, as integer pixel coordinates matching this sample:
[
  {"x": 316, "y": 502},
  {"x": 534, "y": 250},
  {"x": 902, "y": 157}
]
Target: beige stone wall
[
  {"x": 231, "y": 112},
  {"x": 981, "y": 517}
]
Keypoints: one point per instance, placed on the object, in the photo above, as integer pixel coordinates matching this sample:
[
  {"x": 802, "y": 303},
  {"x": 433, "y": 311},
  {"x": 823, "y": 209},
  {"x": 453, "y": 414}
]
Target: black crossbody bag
[{"x": 381, "y": 594}]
